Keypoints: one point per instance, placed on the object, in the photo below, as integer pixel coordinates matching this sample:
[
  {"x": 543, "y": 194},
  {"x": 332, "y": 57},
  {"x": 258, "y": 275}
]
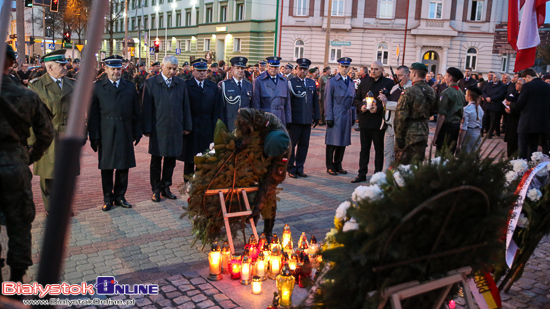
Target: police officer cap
[
  {"x": 475, "y": 89},
  {"x": 125, "y": 60},
  {"x": 185, "y": 63},
  {"x": 238, "y": 61},
  {"x": 155, "y": 63},
  {"x": 114, "y": 61},
  {"x": 262, "y": 62},
  {"x": 141, "y": 64},
  {"x": 56, "y": 56},
  {"x": 200, "y": 64},
  {"x": 274, "y": 61},
  {"x": 276, "y": 143},
  {"x": 456, "y": 73},
  {"x": 345, "y": 61},
  {"x": 10, "y": 52},
  {"x": 419, "y": 66},
  {"x": 303, "y": 63},
  {"x": 214, "y": 65},
  {"x": 76, "y": 60},
  {"x": 289, "y": 66}
]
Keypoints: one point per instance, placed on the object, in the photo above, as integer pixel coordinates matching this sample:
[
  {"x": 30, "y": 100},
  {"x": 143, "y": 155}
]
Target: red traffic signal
[
  {"x": 157, "y": 45},
  {"x": 54, "y": 4},
  {"x": 67, "y": 36}
]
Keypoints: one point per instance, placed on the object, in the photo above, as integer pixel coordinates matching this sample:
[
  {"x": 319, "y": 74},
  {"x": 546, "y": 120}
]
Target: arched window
[
  {"x": 298, "y": 49},
  {"x": 471, "y": 59},
  {"x": 431, "y": 55},
  {"x": 382, "y": 53}
]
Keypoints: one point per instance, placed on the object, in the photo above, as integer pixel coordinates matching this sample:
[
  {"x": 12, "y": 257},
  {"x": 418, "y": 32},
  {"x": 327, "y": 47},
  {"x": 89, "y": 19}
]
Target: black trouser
[
  {"x": 529, "y": 143},
  {"x": 448, "y": 136},
  {"x": 512, "y": 148},
  {"x": 486, "y": 121},
  {"x": 188, "y": 168},
  {"x": 157, "y": 183},
  {"x": 322, "y": 106},
  {"x": 120, "y": 184},
  {"x": 299, "y": 135},
  {"x": 334, "y": 157},
  {"x": 368, "y": 137},
  {"x": 494, "y": 122}
]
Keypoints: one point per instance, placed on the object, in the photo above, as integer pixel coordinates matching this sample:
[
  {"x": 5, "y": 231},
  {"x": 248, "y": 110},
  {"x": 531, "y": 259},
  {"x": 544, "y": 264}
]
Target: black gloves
[
  {"x": 136, "y": 140},
  {"x": 315, "y": 123},
  {"x": 255, "y": 215},
  {"x": 400, "y": 143},
  {"x": 330, "y": 123},
  {"x": 95, "y": 143},
  {"x": 288, "y": 126}
]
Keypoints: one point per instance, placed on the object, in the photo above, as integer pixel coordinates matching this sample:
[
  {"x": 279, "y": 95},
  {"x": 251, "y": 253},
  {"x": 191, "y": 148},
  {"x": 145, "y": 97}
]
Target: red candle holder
[{"x": 235, "y": 267}]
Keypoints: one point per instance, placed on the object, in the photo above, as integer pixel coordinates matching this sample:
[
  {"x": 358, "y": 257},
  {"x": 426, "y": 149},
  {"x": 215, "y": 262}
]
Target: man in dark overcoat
[
  {"x": 166, "y": 118},
  {"x": 206, "y": 109},
  {"x": 236, "y": 92},
  {"x": 114, "y": 123}
]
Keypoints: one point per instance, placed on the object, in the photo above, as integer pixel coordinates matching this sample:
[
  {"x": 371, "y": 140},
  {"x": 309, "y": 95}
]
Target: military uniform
[
  {"x": 234, "y": 96},
  {"x": 322, "y": 80},
  {"x": 36, "y": 73},
  {"x": 271, "y": 94},
  {"x": 185, "y": 75},
  {"x": 139, "y": 81},
  {"x": 451, "y": 105},
  {"x": 57, "y": 100},
  {"x": 21, "y": 109},
  {"x": 415, "y": 106}
]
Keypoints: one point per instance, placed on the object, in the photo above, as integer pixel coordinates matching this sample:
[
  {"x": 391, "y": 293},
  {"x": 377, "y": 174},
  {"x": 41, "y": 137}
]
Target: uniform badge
[{"x": 230, "y": 98}]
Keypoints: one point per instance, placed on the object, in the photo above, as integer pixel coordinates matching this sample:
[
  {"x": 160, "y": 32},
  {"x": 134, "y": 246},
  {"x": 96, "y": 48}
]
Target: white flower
[
  {"x": 211, "y": 146},
  {"x": 436, "y": 160},
  {"x": 198, "y": 154},
  {"x": 351, "y": 225},
  {"x": 404, "y": 168},
  {"x": 534, "y": 194},
  {"x": 399, "y": 179},
  {"x": 372, "y": 192},
  {"x": 342, "y": 209},
  {"x": 511, "y": 176},
  {"x": 519, "y": 166},
  {"x": 378, "y": 178},
  {"x": 543, "y": 172},
  {"x": 212, "y": 152},
  {"x": 523, "y": 221},
  {"x": 536, "y": 156}
]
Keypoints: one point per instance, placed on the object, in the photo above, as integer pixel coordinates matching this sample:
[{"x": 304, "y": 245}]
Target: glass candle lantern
[
  {"x": 261, "y": 267},
  {"x": 288, "y": 250},
  {"x": 292, "y": 262},
  {"x": 369, "y": 100},
  {"x": 215, "y": 263},
  {"x": 266, "y": 251},
  {"x": 226, "y": 257},
  {"x": 235, "y": 267},
  {"x": 287, "y": 237},
  {"x": 246, "y": 270},
  {"x": 302, "y": 242},
  {"x": 274, "y": 242},
  {"x": 256, "y": 285},
  {"x": 275, "y": 262},
  {"x": 262, "y": 241},
  {"x": 252, "y": 247},
  {"x": 305, "y": 273},
  {"x": 285, "y": 286}
]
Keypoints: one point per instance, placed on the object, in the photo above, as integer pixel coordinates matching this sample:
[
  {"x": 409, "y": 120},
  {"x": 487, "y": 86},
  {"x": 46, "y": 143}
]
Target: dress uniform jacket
[
  {"x": 339, "y": 108},
  {"x": 304, "y": 107},
  {"x": 166, "y": 115},
  {"x": 271, "y": 97},
  {"x": 206, "y": 109},
  {"x": 57, "y": 100},
  {"x": 234, "y": 98},
  {"x": 115, "y": 119}
]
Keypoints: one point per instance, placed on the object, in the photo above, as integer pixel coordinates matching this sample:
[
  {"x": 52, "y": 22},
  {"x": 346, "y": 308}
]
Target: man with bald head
[{"x": 370, "y": 119}]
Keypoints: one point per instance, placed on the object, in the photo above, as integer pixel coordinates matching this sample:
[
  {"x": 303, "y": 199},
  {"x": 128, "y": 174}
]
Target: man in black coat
[
  {"x": 467, "y": 81},
  {"x": 114, "y": 123},
  {"x": 511, "y": 130},
  {"x": 304, "y": 102},
  {"x": 493, "y": 94},
  {"x": 166, "y": 118},
  {"x": 206, "y": 109},
  {"x": 370, "y": 120},
  {"x": 534, "y": 119}
]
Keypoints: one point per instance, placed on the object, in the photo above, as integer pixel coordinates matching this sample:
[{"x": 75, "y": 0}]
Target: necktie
[
  {"x": 168, "y": 82},
  {"x": 200, "y": 84},
  {"x": 274, "y": 79},
  {"x": 240, "y": 86},
  {"x": 58, "y": 82},
  {"x": 347, "y": 81},
  {"x": 115, "y": 84}
]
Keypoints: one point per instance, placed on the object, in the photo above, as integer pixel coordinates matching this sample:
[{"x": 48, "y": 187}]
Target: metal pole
[
  {"x": 32, "y": 19},
  {"x": 44, "y": 28},
  {"x": 327, "y": 40},
  {"x": 406, "y": 26},
  {"x": 20, "y": 16},
  {"x": 4, "y": 22},
  {"x": 125, "y": 50},
  {"x": 166, "y": 38}
]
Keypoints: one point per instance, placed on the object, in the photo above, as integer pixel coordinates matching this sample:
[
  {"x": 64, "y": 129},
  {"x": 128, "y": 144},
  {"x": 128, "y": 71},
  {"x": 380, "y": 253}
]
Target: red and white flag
[{"x": 525, "y": 38}]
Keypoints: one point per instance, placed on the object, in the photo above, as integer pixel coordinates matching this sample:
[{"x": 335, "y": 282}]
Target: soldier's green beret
[
  {"x": 419, "y": 66},
  {"x": 10, "y": 52},
  {"x": 56, "y": 56},
  {"x": 312, "y": 70},
  {"x": 456, "y": 73},
  {"x": 276, "y": 143}
]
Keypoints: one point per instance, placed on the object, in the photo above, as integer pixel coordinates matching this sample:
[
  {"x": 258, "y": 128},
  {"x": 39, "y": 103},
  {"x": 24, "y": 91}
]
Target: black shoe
[
  {"x": 301, "y": 174},
  {"x": 156, "y": 197},
  {"x": 107, "y": 206},
  {"x": 331, "y": 172},
  {"x": 123, "y": 203},
  {"x": 359, "y": 179},
  {"x": 342, "y": 171},
  {"x": 291, "y": 175},
  {"x": 168, "y": 194}
]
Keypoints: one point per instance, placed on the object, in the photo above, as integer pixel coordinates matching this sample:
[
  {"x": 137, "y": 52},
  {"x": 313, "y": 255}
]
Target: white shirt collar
[
  {"x": 115, "y": 82},
  {"x": 164, "y": 77},
  {"x": 237, "y": 81},
  {"x": 57, "y": 79},
  {"x": 199, "y": 83}
]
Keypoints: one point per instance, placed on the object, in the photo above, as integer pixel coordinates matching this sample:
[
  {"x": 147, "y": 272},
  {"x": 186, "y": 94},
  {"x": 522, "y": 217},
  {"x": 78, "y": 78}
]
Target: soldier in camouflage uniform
[
  {"x": 215, "y": 76},
  {"x": 139, "y": 78},
  {"x": 185, "y": 73},
  {"x": 129, "y": 72},
  {"x": 76, "y": 66},
  {"x": 20, "y": 109},
  {"x": 155, "y": 69},
  {"x": 415, "y": 106},
  {"x": 37, "y": 72}
]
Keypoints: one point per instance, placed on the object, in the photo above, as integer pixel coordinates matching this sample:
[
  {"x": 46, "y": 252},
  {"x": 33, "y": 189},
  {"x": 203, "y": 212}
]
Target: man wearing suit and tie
[
  {"x": 166, "y": 118},
  {"x": 206, "y": 109},
  {"x": 114, "y": 123},
  {"x": 305, "y": 112},
  {"x": 271, "y": 92},
  {"x": 236, "y": 92}
]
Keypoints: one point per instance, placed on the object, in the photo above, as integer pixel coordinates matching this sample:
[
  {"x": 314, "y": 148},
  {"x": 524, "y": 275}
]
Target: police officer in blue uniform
[
  {"x": 271, "y": 92},
  {"x": 340, "y": 116},
  {"x": 236, "y": 92},
  {"x": 305, "y": 112}
]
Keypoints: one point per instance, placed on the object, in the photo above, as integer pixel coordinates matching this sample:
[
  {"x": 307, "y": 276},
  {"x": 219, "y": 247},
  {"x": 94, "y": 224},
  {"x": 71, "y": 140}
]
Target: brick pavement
[{"x": 150, "y": 244}]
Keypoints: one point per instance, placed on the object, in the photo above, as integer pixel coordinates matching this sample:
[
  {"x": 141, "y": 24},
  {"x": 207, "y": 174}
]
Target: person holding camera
[{"x": 370, "y": 113}]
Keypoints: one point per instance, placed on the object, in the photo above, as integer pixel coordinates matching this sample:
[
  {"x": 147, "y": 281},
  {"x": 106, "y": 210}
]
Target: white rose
[
  {"x": 511, "y": 176},
  {"x": 378, "y": 178},
  {"x": 211, "y": 146},
  {"x": 436, "y": 160},
  {"x": 212, "y": 152},
  {"x": 536, "y": 156},
  {"x": 534, "y": 194},
  {"x": 404, "y": 168},
  {"x": 399, "y": 179},
  {"x": 198, "y": 154},
  {"x": 523, "y": 221},
  {"x": 342, "y": 209},
  {"x": 519, "y": 166},
  {"x": 351, "y": 225},
  {"x": 371, "y": 192}
]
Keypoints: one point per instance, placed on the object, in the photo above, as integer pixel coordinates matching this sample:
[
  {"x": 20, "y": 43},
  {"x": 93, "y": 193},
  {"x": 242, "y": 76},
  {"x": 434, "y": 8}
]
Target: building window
[
  {"x": 208, "y": 16},
  {"x": 161, "y": 21},
  {"x": 197, "y": 16},
  {"x": 139, "y": 23},
  {"x": 240, "y": 12},
  {"x": 504, "y": 63},
  {"x": 301, "y": 8},
  {"x": 178, "y": 19},
  {"x": 145, "y": 3},
  {"x": 206, "y": 44},
  {"x": 382, "y": 53},
  {"x": 188, "y": 18},
  {"x": 187, "y": 45},
  {"x": 236, "y": 45},
  {"x": 436, "y": 7},
  {"x": 153, "y": 22},
  {"x": 386, "y": 9},
  {"x": 223, "y": 13},
  {"x": 168, "y": 45},
  {"x": 298, "y": 49},
  {"x": 169, "y": 20},
  {"x": 133, "y": 4},
  {"x": 471, "y": 59},
  {"x": 161, "y": 1},
  {"x": 335, "y": 53},
  {"x": 338, "y": 8},
  {"x": 133, "y": 23},
  {"x": 145, "y": 22},
  {"x": 476, "y": 12}
]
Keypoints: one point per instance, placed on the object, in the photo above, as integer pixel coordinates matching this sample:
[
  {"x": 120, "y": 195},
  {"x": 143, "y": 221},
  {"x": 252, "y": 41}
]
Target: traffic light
[
  {"x": 157, "y": 45},
  {"x": 54, "y": 4},
  {"x": 31, "y": 40},
  {"x": 66, "y": 36},
  {"x": 28, "y": 3}
]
